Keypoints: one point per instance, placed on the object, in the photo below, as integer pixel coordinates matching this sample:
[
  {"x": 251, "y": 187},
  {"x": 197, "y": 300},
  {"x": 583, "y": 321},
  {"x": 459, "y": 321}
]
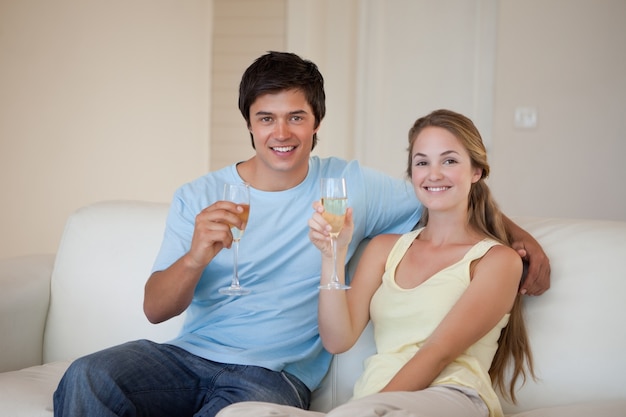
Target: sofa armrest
[{"x": 24, "y": 300}]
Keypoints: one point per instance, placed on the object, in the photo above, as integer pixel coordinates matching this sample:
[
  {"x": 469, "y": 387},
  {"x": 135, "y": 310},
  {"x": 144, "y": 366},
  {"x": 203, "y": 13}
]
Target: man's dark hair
[{"x": 279, "y": 71}]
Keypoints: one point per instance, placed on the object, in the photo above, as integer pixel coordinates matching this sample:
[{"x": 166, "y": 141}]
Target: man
[{"x": 264, "y": 346}]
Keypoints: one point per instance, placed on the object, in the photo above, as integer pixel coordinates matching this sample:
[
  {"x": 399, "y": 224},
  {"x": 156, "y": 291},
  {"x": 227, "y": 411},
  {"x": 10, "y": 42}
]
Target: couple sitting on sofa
[{"x": 265, "y": 346}]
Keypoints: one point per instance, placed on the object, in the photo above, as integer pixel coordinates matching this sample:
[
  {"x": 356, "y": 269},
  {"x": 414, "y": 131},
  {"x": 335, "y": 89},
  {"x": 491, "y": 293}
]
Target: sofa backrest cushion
[
  {"x": 104, "y": 259},
  {"x": 576, "y": 328}
]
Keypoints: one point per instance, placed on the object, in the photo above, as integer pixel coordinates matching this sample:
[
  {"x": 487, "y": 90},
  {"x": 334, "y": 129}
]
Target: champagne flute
[
  {"x": 239, "y": 194},
  {"x": 335, "y": 202}
]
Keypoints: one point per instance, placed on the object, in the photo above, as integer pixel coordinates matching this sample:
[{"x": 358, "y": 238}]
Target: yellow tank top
[{"x": 404, "y": 318}]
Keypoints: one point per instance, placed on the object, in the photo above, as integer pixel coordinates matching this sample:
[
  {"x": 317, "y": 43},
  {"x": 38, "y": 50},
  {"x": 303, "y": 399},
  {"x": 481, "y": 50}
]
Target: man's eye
[
  {"x": 266, "y": 119},
  {"x": 296, "y": 118}
]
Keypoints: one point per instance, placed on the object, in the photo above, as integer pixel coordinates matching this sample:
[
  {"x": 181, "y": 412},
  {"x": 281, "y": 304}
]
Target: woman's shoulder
[
  {"x": 500, "y": 250},
  {"x": 501, "y": 257},
  {"x": 383, "y": 243}
]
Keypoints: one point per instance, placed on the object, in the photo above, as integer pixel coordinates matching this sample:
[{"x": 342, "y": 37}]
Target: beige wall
[
  {"x": 111, "y": 100},
  {"x": 485, "y": 58},
  {"x": 414, "y": 57},
  {"x": 566, "y": 59},
  {"x": 98, "y": 100}
]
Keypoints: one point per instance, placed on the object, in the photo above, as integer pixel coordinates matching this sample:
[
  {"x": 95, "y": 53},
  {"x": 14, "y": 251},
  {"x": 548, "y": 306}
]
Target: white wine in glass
[
  {"x": 239, "y": 194},
  {"x": 335, "y": 202}
]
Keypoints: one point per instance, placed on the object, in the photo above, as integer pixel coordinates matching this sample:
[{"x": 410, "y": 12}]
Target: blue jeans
[{"x": 144, "y": 378}]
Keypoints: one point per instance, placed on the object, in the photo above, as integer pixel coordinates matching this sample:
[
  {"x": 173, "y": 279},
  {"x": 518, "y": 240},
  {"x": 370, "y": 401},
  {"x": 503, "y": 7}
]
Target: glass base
[
  {"x": 334, "y": 286},
  {"x": 233, "y": 290}
]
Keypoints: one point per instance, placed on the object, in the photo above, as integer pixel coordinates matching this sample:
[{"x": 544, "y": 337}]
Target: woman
[{"x": 443, "y": 299}]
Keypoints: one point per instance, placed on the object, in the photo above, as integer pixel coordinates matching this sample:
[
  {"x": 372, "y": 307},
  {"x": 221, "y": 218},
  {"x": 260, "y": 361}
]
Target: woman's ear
[{"x": 478, "y": 174}]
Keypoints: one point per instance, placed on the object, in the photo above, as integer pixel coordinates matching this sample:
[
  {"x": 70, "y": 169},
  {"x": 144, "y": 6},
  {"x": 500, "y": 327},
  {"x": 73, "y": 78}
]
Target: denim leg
[
  {"x": 139, "y": 378},
  {"x": 237, "y": 383},
  {"x": 143, "y": 378}
]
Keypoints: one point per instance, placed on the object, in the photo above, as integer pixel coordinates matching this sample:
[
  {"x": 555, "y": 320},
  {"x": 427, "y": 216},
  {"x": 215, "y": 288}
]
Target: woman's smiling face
[{"x": 441, "y": 170}]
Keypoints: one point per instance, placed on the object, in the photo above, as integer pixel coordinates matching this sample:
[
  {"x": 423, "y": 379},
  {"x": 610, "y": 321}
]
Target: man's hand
[
  {"x": 537, "y": 279},
  {"x": 212, "y": 232}
]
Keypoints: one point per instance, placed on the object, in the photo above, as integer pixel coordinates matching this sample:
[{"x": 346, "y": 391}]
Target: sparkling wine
[
  {"x": 237, "y": 233},
  {"x": 335, "y": 213}
]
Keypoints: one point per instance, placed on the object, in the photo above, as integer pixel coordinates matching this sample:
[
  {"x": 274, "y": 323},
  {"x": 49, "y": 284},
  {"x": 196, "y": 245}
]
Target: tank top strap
[
  {"x": 399, "y": 249},
  {"x": 480, "y": 248}
]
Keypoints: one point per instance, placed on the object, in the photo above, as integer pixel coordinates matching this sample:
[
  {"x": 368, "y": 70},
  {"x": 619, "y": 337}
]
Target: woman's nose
[{"x": 435, "y": 172}]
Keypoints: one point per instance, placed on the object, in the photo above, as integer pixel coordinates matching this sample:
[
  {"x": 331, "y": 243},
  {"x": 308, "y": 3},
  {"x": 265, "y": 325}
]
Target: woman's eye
[{"x": 449, "y": 162}]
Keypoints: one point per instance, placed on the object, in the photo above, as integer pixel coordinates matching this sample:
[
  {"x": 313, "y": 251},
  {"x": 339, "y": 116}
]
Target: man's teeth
[
  {"x": 283, "y": 148},
  {"x": 436, "y": 188}
]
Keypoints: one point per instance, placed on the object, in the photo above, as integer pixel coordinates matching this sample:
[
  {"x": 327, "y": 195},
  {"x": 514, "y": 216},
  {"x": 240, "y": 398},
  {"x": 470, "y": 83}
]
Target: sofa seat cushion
[
  {"x": 28, "y": 392},
  {"x": 608, "y": 408}
]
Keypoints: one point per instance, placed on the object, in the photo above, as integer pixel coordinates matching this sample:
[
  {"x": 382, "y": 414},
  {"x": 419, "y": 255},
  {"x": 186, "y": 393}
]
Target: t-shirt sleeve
[{"x": 178, "y": 232}]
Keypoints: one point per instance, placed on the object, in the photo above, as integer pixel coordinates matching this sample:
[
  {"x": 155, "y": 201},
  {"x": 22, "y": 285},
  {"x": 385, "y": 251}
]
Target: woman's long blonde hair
[{"x": 484, "y": 215}]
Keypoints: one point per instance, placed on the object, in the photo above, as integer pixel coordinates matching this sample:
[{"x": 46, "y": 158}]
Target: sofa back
[
  {"x": 576, "y": 328},
  {"x": 104, "y": 259}
]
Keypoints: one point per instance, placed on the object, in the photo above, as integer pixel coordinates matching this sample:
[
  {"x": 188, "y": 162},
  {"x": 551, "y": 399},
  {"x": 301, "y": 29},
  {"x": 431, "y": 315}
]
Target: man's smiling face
[{"x": 282, "y": 127}]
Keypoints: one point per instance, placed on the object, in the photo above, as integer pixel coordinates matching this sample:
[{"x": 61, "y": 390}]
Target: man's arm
[{"x": 538, "y": 278}]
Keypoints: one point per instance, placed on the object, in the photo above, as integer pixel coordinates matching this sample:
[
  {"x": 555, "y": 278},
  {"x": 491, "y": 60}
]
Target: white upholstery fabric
[
  {"x": 28, "y": 392},
  {"x": 24, "y": 296},
  {"x": 103, "y": 262},
  {"x": 610, "y": 408},
  {"x": 576, "y": 328}
]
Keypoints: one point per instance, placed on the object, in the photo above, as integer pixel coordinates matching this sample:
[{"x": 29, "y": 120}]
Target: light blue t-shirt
[{"x": 275, "y": 326}]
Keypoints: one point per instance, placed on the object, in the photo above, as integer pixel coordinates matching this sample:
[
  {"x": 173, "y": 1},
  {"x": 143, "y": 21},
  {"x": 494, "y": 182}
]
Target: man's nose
[{"x": 281, "y": 130}]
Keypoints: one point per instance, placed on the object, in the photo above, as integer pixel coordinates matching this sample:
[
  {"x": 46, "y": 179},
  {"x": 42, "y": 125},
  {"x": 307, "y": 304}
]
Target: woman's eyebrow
[{"x": 445, "y": 153}]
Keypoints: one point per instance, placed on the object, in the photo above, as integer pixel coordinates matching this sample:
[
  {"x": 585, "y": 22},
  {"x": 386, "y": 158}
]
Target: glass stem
[
  {"x": 333, "y": 245},
  {"x": 235, "y": 282}
]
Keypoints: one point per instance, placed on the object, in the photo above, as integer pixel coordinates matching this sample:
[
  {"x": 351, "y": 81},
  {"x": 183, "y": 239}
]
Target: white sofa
[{"x": 89, "y": 296}]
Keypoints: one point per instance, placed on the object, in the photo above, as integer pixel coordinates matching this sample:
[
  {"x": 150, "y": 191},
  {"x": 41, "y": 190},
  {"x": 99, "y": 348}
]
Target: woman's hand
[{"x": 319, "y": 231}]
